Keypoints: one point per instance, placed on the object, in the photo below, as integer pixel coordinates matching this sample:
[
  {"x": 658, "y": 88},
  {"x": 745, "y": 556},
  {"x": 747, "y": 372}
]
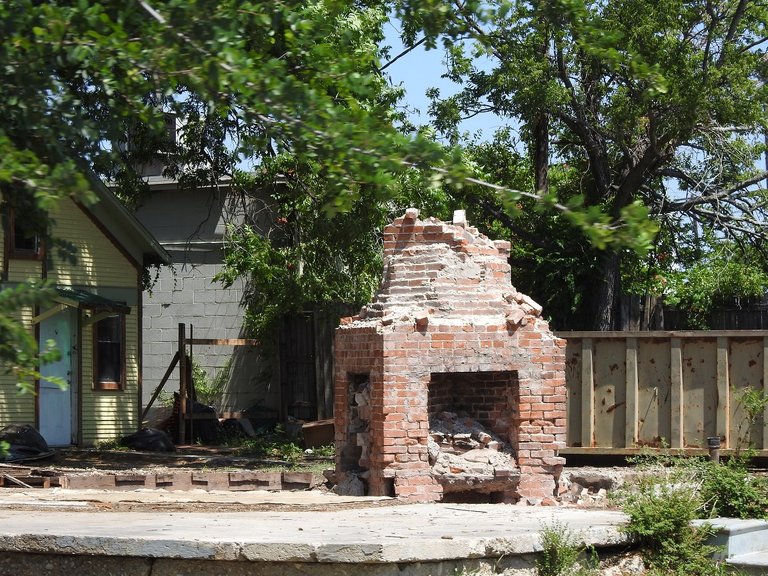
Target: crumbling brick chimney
[{"x": 449, "y": 386}]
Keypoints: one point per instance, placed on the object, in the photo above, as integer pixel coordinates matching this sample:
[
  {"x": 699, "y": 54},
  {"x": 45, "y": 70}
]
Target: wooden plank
[
  {"x": 49, "y": 313},
  {"x": 665, "y": 334},
  {"x": 632, "y": 422},
  {"x": 222, "y": 341},
  {"x": 723, "y": 408},
  {"x": 587, "y": 394},
  {"x": 610, "y": 398},
  {"x": 160, "y": 387},
  {"x": 676, "y": 392},
  {"x": 573, "y": 384},
  {"x": 765, "y": 391}
]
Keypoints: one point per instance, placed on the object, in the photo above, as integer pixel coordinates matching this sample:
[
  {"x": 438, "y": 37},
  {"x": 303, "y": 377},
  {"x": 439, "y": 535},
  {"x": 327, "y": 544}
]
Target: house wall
[
  {"x": 191, "y": 225},
  {"x": 103, "y": 269},
  {"x": 87, "y": 260}
]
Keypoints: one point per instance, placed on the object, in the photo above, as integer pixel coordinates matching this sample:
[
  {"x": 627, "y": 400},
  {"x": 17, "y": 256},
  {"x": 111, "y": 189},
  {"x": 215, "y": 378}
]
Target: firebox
[{"x": 449, "y": 385}]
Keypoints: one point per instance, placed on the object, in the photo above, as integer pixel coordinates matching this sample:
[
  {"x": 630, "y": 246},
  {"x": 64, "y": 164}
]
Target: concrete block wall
[{"x": 188, "y": 294}]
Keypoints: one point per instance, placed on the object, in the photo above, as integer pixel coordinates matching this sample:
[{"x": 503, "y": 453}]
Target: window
[
  {"x": 23, "y": 242},
  {"x": 109, "y": 353}
]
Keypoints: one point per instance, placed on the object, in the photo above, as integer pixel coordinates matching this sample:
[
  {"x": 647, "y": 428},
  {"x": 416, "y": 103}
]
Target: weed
[
  {"x": 274, "y": 444},
  {"x": 113, "y": 444},
  {"x": 731, "y": 490},
  {"x": 753, "y": 402},
  {"x": 561, "y": 553},
  {"x": 209, "y": 391},
  {"x": 327, "y": 451}
]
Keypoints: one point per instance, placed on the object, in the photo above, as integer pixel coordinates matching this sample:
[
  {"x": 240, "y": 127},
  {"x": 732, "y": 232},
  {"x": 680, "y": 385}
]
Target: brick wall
[{"x": 447, "y": 305}]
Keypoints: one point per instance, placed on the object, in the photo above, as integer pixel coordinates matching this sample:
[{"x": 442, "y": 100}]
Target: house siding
[
  {"x": 98, "y": 261},
  {"x": 17, "y": 408},
  {"x": 93, "y": 262},
  {"x": 23, "y": 270}
]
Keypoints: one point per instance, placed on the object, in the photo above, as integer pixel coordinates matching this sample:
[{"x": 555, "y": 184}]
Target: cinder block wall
[{"x": 190, "y": 224}]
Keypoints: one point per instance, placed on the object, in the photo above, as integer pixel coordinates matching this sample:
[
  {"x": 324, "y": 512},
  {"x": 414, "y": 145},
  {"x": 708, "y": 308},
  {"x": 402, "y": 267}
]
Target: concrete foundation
[{"x": 404, "y": 540}]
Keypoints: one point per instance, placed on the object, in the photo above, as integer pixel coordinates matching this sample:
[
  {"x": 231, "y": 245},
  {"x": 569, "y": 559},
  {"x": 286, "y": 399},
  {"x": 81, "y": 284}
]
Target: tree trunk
[
  {"x": 605, "y": 314},
  {"x": 541, "y": 153}
]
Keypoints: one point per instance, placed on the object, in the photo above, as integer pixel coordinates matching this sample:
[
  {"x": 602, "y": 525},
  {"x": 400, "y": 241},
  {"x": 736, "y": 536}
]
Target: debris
[
  {"x": 149, "y": 440},
  {"x": 25, "y": 443},
  {"x": 465, "y": 456},
  {"x": 16, "y": 481},
  {"x": 350, "y": 486}
]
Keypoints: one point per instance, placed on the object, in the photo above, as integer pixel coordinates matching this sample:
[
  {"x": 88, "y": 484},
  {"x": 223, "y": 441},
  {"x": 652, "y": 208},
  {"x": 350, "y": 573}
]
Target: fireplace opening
[
  {"x": 355, "y": 454},
  {"x": 491, "y": 398},
  {"x": 469, "y": 446}
]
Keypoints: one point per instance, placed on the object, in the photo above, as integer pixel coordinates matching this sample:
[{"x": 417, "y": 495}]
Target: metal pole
[{"x": 713, "y": 443}]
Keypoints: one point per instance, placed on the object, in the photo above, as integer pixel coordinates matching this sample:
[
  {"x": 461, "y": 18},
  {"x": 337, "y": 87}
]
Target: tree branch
[
  {"x": 403, "y": 53},
  {"x": 710, "y": 194}
]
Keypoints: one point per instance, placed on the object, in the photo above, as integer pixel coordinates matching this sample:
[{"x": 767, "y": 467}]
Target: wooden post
[
  {"x": 676, "y": 392},
  {"x": 191, "y": 386},
  {"x": 182, "y": 385},
  {"x": 631, "y": 425},
  {"x": 723, "y": 408},
  {"x": 587, "y": 394},
  {"x": 765, "y": 391}
]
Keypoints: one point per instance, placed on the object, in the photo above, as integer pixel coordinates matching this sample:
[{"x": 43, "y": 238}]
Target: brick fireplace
[{"x": 448, "y": 385}]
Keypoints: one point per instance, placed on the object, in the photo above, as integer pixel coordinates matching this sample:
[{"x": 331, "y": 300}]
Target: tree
[
  {"x": 659, "y": 104},
  {"x": 306, "y": 258},
  {"x": 87, "y": 87},
  {"x": 251, "y": 80},
  {"x": 724, "y": 275}
]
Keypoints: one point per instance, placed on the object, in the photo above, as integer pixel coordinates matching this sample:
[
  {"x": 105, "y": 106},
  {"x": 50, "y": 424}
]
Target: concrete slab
[
  {"x": 65, "y": 497},
  {"x": 396, "y": 534}
]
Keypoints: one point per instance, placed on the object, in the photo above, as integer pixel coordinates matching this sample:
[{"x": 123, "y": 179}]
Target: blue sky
[{"x": 420, "y": 70}]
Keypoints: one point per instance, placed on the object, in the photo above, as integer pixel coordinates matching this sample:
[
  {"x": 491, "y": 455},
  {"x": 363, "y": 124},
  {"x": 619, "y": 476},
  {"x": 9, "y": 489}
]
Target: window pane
[
  {"x": 109, "y": 350},
  {"x": 23, "y": 239}
]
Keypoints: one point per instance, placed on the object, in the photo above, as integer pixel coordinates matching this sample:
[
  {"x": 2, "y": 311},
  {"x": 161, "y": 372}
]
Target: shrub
[
  {"x": 731, "y": 490},
  {"x": 661, "y": 504},
  {"x": 660, "y": 515}
]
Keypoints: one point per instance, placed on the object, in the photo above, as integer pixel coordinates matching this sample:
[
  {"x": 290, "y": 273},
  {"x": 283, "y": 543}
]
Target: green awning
[{"x": 76, "y": 298}]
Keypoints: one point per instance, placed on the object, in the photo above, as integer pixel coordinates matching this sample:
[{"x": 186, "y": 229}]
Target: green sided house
[{"x": 97, "y": 256}]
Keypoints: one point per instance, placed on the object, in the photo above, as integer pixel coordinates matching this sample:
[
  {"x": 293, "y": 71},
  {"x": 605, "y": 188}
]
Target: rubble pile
[
  {"x": 465, "y": 456},
  {"x": 590, "y": 486}
]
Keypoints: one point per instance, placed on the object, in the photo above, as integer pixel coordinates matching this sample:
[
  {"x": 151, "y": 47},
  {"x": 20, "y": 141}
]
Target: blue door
[{"x": 57, "y": 406}]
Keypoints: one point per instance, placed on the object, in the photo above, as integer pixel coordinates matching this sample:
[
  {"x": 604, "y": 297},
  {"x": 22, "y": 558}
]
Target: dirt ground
[
  {"x": 79, "y": 462},
  {"x": 592, "y": 483},
  {"x": 185, "y": 458}
]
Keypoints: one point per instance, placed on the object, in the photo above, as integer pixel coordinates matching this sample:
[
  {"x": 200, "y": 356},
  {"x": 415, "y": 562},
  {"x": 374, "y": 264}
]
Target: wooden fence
[{"x": 628, "y": 390}]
